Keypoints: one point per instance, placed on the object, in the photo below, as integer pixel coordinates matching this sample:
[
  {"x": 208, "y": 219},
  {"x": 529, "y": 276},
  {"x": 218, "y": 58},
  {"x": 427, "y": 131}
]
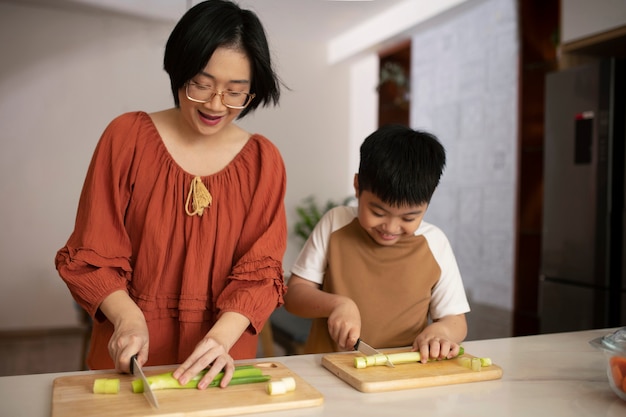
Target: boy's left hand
[
  {"x": 433, "y": 347},
  {"x": 437, "y": 340}
]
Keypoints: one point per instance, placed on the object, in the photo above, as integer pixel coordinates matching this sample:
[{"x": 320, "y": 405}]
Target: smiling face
[
  {"x": 228, "y": 70},
  {"x": 387, "y": 224}
]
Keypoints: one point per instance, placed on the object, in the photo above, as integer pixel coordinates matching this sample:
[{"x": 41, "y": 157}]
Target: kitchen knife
[
  {"x": 135, "y": 369},
  {"x": 367, "y": 350}
]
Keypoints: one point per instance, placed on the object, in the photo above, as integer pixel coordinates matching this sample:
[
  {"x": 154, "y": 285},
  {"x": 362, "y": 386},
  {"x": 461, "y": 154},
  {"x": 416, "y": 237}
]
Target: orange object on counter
[{"x": 618, "y": 371}]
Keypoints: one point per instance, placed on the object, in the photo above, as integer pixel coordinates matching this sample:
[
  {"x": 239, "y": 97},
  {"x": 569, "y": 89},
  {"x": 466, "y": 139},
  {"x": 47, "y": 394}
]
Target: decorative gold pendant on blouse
[{"x": 199, "y": 197}]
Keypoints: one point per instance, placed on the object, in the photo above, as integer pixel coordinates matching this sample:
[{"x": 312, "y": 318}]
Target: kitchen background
[{"x": 67, "y": 70}]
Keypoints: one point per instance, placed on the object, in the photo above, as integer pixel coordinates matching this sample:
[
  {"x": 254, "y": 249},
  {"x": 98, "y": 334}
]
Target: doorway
[{"x": 394, "y": 87}]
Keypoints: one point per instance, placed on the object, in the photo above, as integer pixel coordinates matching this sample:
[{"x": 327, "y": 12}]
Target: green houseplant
[{"x": 310, "y": 212}]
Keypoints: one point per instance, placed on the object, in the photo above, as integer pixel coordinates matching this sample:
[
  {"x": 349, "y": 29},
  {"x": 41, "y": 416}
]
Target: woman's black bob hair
[{"x": 220, "y": 23}]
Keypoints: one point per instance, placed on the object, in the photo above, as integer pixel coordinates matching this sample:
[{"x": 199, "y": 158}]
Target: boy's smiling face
[{"x": 388, "y": 224}]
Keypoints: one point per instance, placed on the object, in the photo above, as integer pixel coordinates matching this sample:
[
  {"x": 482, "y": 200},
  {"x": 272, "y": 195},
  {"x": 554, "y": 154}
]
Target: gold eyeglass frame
[{"x": 249, "y": 96}]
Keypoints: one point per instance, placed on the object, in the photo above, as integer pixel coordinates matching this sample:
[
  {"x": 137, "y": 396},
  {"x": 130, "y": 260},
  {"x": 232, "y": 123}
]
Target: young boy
[{"x": 377, "y": 271}]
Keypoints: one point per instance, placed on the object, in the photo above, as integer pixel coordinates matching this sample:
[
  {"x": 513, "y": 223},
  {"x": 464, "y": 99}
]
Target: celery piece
[
  {"x": 282, "y": 386},
  {"x": 243, "y": 380},
  {"x": 290, "y": 382},
  {"x": 276, "y": 388},
  {"x": 106, "y": 386},
  {"x": 465, "y": 362},
  {"x": 244, "y": 374},
  {"x": 396, "y": 358}
]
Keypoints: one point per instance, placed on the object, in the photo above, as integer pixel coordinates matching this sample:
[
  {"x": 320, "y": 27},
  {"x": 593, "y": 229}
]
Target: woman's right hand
[
  {"x": 130, "y": 337},
  {"x": 130, "y": 331}
]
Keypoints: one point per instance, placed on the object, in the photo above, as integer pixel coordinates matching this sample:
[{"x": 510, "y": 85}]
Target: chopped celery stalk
[
  {"x": 244, "y": 374},
  {"x": 475, "y": 364},
  {"x": 395, "y": 358},
  {"x": 282, "y": 386},
  {"x": 373, "y": 360},
  {"x": 290, "y": 382},
  {"x": 244, "y": 380},
  {"x": 466, "y": 362},
  {"x": 106, "y": 386},
  {"x": 276, "y": 388}
]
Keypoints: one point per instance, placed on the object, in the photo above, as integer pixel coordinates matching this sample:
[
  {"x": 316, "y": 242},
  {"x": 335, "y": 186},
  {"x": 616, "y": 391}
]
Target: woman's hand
[
  {"x": 211, "y": 354},
  {"x": 130, "y": 337},
  {"x": 130, "y": 331},
  {"x": 213, "y": 351}
]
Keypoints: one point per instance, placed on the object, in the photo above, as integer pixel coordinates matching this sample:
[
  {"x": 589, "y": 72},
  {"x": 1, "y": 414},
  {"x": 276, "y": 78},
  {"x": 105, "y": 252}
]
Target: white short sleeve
[{"x": 312, "y": 261}]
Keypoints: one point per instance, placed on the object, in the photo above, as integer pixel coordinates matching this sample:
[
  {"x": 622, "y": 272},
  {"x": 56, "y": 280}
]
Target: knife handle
[
  {"x": 356, "y": 345},
  {"x": 132, "y": 363}
]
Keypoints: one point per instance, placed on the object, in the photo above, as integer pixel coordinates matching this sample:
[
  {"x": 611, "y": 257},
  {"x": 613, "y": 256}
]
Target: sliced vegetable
[
  {"x": 485, "y": 362},
  {"x": 475, "y": 364},
  {"x": 106, "y": 386},
  {"x": 465, "y": 362},
  {"x": 618, "y": 371},
  {"x": 396, "y": 358},
  {"x": 244, "y": 374},
  {"x": 281, "y": 386}
]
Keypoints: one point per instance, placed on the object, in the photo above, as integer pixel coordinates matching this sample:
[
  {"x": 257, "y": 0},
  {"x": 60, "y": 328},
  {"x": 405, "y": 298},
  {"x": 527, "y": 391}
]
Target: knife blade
[
  {"x": 136, "y": 370},
  {"x": 367, "y": 350}
]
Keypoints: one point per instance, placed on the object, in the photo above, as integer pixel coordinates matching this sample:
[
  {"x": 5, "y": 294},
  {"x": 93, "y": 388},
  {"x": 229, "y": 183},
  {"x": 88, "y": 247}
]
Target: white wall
[
  {"x": 65, "y": 74},
  {"x": 310, "y": 127},
  {"x": 464, "y": 89}
]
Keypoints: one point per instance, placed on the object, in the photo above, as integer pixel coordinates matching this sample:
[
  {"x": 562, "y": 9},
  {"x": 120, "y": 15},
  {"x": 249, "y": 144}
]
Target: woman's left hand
[
  {"x": 212, "y": 351},
  {"x": 209, "y": 353}
]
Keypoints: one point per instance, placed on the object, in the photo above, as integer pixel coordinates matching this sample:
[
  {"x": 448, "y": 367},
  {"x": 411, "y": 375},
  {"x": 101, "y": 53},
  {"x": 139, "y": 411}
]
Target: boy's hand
[
  {"x": 431, "y": 347},
  {"x": 344, "y": 324},
  {"x": 437, "y": 340}
]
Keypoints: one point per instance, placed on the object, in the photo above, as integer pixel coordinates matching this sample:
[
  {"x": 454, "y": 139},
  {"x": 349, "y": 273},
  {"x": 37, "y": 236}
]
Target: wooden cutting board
[
  {"x": 72, "y": 396},
  {"x": 405, "y": 376}
]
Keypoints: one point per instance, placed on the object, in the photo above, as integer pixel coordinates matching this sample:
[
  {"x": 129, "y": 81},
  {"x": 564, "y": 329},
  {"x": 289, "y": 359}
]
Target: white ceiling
[
  {"x": 346, "y": 26},
  {"x": 319, "y": 20}
]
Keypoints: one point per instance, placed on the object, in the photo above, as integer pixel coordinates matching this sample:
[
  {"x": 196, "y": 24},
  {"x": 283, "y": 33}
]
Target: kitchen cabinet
[{"x": 582, "y": 19}]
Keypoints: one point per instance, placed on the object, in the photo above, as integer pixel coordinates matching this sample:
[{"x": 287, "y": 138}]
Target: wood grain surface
[
  {"x": 72, "y": 396},
  {"x": 405, "y": 376}
]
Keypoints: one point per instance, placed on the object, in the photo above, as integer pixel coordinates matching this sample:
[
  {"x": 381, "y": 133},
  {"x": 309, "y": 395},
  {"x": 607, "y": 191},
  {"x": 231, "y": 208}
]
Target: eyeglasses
[{"x": 204, "y": 93}]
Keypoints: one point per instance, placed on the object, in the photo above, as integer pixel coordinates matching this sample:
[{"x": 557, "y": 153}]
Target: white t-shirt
[{"x": 448, "y": 295}]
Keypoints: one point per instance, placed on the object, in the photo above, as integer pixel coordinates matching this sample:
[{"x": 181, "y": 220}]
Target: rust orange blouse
[{"x": 132, "y": 233}]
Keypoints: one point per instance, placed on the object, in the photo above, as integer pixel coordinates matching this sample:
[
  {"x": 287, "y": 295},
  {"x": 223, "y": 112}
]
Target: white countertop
[{"x": 546, "y": 375}]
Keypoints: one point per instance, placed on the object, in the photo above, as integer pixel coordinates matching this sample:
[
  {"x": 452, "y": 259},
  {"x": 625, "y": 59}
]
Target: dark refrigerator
[{"x": 581, "y": 282}]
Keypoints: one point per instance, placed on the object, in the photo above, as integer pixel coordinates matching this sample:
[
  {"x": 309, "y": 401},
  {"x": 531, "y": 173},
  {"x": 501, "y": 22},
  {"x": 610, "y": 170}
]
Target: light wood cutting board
[
  {"x": 72, "y": 396},
  {"x": 405, "y": 376}
]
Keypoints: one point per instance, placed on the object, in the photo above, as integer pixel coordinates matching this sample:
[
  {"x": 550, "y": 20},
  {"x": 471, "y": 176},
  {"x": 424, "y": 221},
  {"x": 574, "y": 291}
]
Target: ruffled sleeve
[
  {"x": 256, "y": 285},
  {"x": 96, "y": 259}
]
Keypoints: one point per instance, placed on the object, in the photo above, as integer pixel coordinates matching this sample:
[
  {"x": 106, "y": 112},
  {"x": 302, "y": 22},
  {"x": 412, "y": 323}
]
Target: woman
[{"x": 180, "y": 230}]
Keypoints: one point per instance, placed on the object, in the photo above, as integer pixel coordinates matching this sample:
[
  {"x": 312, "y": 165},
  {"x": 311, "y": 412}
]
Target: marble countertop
[{"x": 545, "y": 375}]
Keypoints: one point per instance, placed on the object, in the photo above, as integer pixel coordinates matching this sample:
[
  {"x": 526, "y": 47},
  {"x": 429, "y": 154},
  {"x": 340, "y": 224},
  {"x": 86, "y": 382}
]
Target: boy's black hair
[
  {"x": 401, "y": 166},
  {"x": 216, "y": 23}
]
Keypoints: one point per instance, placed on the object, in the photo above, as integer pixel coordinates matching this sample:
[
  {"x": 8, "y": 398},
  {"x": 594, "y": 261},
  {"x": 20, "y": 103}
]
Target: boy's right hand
[{"x": 344, "y": 323}]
